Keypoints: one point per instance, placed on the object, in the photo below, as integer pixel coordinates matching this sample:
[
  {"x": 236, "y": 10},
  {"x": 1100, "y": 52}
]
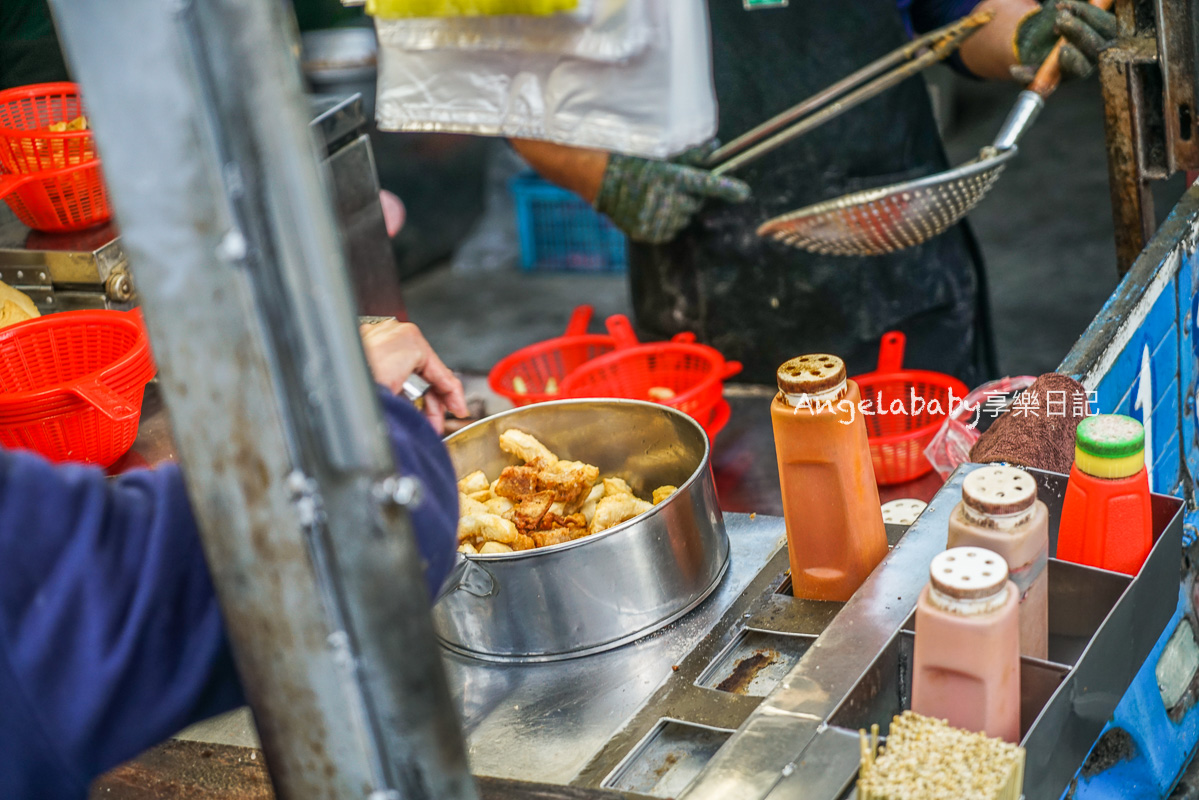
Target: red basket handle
[
  {"x": 580, "y": 318},
  {"x": 686, "y": 337},
  {"x": 622, "y": 331},
  {"x": 890, "y": 352},
  {"x": 10, "y": 183},
  {"x": 729, "y": 369},
  {"x": 106, "y": 401}
]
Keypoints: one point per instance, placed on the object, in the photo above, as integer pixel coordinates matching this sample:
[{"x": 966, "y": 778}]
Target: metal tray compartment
[
  {"x": 755, "y": 662},
  {"x": 668, "y": 759},
  {"x": 886, "y": 689}
]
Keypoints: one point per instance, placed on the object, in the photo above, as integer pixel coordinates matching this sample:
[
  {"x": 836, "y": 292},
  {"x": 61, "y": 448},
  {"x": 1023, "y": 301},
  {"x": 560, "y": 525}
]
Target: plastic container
[
  {"x": 680, "y": 373},
  {"x": 535, "y": 373},
  {"x": 1107, "y": 515},
  {"x": 835, "y": 531},
  {"x": 58, "y": 200},
  {"x": 966, "y": 661},
  {"x": 559, "y": 232},
  {"x": 950, "y": 447},
  {"x": 924, "y": 400},
  {"x": 27, "y": 144},
  {"x": 73, "y": 384},
  {"x": 1000, "y": 512}
]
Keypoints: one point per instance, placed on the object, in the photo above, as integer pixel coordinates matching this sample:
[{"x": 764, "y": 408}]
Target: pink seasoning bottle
[
  {"x": 967, "y": 654},
  {"x": 1000, "y": 512}
]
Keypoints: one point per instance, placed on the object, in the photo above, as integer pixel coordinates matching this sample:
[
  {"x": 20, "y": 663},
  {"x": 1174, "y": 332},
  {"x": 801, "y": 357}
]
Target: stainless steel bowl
[{"x": 604, "y": 590}]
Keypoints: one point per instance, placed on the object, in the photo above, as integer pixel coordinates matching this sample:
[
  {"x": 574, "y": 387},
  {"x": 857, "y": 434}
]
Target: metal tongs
[
  {"x": 847, "y": 93},
  {"x": 877, "y": 221}
]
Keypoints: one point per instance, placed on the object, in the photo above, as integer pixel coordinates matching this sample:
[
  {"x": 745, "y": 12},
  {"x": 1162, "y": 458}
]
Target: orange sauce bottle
[
  {"x": 1107, "y": 514},
  {"x": 966, "y": 659},
  {"x": 835, "y": 531}
]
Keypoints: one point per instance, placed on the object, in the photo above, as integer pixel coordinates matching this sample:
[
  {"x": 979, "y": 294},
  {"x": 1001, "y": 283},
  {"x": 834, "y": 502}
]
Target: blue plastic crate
[{"x": 561, "y": 233}]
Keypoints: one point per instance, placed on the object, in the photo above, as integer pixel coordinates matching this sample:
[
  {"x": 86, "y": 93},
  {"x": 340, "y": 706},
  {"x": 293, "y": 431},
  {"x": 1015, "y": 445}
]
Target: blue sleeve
[
  {"x": 111, "y": 638},
  {"x": 922, "y": 16}
]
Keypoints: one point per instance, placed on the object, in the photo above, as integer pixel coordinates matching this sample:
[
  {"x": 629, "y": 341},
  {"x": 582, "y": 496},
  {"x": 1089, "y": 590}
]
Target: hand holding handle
[{"x": 1050, "y": 73}]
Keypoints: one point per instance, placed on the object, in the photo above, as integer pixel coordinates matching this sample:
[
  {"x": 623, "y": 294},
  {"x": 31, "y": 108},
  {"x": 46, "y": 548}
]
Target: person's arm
[
  {"x": 578, "y": 169},
  {"x": 111, "y": 638}
]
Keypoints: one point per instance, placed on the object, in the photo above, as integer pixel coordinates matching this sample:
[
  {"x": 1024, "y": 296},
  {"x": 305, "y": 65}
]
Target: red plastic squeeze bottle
[
  {"x": 835, "y": 531},
  {"x": 1000, "y": 512},
  {"x": 966, "y": 663},
  {"x": 1107, "y": 516}
]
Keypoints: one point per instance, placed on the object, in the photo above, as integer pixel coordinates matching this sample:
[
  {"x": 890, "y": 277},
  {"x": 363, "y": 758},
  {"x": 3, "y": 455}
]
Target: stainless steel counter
[{"x": 545, "y": 722}]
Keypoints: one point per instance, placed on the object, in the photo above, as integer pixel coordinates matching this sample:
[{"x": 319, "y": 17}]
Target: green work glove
[
  {"x": 1087, "y": 30},
  {"x": 652, "y": 201}
]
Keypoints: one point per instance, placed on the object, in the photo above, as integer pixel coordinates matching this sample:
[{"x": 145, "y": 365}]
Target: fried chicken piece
[
  {"x": 528, "y": 512},
  {"x": 587, "y": 509},
  {"x": 570, "y": 481},
  {"x": 569, "y": 521},
  {"x": 488, "y": 527},
  {"x": 616, "y": 486},
  {"x": 526, "y": 447},
  {"x": 474, "y": 482},
  {"x": 517, "y": 483},
  {"x": 615, "y": 509},
  {"x": 500, "y": 506},
  {"x": 662, "y": 492},
  {"x": 468, "y": 548},
  {"x": 494, "y": 547},
  {"x": 558, "y": 536},
  {"x": 481, "y": 496},
  {"x": 469, "y": 505}
]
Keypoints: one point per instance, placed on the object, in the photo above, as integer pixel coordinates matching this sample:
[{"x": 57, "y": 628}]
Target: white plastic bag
[{"x": 635, "y": 78}]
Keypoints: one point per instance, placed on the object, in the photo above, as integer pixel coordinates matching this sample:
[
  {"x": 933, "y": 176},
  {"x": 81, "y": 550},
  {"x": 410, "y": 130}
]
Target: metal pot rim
[{"x": 704, "y": 463}]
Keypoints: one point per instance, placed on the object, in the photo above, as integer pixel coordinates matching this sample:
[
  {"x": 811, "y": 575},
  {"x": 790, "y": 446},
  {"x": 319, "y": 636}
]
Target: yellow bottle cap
[{"x": 1109, "y": 446}]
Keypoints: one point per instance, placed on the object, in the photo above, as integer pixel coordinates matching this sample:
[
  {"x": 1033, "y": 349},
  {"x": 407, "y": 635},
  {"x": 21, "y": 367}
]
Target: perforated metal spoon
[{"x": 889, "y": 218}]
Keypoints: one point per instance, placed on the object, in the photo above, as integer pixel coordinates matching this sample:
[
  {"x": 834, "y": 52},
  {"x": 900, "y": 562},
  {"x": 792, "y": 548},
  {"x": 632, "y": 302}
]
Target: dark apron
[{"x": 762, "y": 302}]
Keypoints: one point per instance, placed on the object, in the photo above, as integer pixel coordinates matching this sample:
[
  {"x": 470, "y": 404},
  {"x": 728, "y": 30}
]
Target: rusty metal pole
[
  {"x": 1123, "y": 100},
  {"x": 200, "y": 119}
]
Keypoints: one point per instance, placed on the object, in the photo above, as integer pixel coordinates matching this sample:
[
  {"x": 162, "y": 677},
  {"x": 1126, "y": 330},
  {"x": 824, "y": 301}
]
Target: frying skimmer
[{"x": 876, "y": 221}]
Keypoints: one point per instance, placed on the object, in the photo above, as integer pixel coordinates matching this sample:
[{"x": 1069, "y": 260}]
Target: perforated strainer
[{"x": 882, "y": 220}]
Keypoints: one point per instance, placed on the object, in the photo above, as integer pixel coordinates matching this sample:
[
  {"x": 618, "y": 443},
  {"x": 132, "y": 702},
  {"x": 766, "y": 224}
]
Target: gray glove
[
  {"x": 652, "y": 201},
  {"x": 1087, "y": 30}
]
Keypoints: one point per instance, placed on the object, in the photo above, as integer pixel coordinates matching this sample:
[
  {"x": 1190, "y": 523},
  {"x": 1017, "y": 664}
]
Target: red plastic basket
[
  {"x": 897, "y": 440},
  {"x": 678, "y": 373},
  {"x": 73, "y": 384},
  {"x": 26, "y": 142},
  {"x": 67, "y": 199},
  {"x": 529, "y": 375}
]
